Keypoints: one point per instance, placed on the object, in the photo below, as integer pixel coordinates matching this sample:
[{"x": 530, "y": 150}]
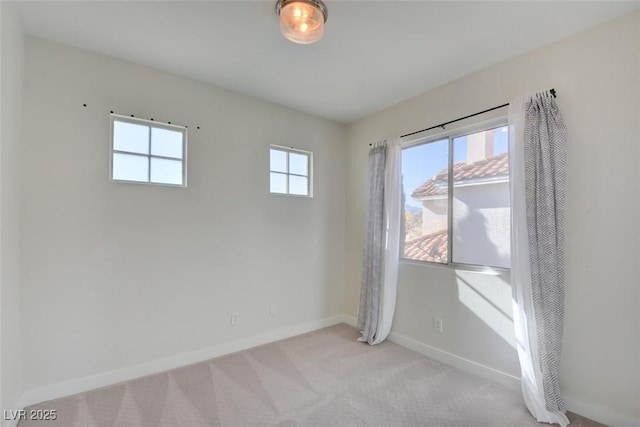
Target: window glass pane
[
  {"x": 298, "y": 185},
  {"x": 166, "y": 143},
  {"x": 481, "y": 206},
  {"x": 278, "y": 161},
  {"x": 278, "y": 183},
  {"x": 127, "y": 167},
  {"x": 165, "y": 171},
  {"x": 425, "y": 192},
  {"x": 299, "y": 164},
  {"x": 130, "y": 137}
]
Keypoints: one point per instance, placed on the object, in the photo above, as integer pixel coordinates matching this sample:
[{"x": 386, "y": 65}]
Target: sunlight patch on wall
[{"x": 490, "y": 299}]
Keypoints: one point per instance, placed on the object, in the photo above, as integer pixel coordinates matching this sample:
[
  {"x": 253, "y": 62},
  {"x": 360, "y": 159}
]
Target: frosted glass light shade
[{"x": 302, "y": 21}]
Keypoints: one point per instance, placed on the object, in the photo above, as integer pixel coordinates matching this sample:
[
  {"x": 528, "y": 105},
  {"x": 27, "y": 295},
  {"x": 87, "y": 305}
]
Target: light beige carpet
[{"x": 323, "y": 378}]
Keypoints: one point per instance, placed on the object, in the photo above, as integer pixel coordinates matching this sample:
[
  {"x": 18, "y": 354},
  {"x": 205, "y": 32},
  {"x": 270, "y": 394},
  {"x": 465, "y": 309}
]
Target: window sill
[{"x": 493, "y": 271}]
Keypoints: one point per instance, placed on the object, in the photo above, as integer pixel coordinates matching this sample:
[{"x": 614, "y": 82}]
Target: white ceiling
[{"x": 374, "y": 53}]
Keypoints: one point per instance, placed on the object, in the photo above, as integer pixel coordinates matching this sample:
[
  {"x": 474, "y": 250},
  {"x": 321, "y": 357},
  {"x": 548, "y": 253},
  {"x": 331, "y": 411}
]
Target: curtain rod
[{"x": 442, "y": 125}]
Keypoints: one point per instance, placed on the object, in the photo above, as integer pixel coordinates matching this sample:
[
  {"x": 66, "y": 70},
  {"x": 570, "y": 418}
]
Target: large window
[
  {"x": 144, "y": 151},
  {"x": 456, "y": 199},
  {"x": 290, "y": 171}
]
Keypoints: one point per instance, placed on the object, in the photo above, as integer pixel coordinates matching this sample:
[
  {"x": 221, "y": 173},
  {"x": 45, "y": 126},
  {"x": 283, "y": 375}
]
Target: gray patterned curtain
[
  {"x": 373, "y": 250},
  {"x": 538, "y": 180},
  {"x": 382, "y": 245}
]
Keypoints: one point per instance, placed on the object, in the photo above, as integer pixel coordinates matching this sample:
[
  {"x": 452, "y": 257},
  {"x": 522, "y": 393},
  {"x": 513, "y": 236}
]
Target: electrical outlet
[
  {"x": 235, "y": 318},
  {"x": 437, "y": 324},
  {"x": 273, "y": 311}
]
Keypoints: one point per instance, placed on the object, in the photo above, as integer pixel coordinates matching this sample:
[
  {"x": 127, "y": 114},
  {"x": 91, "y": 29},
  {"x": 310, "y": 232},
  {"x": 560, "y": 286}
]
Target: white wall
[
  {"x": 11, "y": 69},
  {"x": 596, "y": 74},
  {"x": 116, "y": 275}
]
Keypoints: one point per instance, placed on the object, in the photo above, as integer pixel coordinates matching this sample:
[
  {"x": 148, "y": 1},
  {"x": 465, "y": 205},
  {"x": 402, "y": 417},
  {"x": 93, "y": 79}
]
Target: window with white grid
[
  {"x": 290, "y": 171},
  {"x": 146, "y": 151}
]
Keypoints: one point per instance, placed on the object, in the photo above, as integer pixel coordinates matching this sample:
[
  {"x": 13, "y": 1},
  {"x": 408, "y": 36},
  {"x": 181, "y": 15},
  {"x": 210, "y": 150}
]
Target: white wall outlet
[
  {"x": 437, "y": 324},
  {"x": 235, "y": 318},
  {"x": 273, "y": 311}
]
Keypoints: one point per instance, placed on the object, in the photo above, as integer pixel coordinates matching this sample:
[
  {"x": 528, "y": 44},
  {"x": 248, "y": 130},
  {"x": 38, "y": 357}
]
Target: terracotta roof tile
[
  {"x": 494, "y": 166},
  {"x": 432, "y": 247}
]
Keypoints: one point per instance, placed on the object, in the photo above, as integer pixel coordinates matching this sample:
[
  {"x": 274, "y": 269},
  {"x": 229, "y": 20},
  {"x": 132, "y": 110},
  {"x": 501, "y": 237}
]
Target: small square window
[
  {"x": 290, "y": 171},
  {"x": 144, "y": 151}
]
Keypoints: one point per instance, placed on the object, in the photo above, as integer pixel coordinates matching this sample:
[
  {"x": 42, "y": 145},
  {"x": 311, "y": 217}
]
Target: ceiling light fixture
[{"x": 302, "y": 21}]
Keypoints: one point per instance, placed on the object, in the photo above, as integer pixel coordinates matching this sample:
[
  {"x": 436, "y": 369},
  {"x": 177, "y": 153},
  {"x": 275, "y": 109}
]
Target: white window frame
[
  {"x": 151, "y": 124},
  {"x": 451, "y": 135},
  {"x": 309, "y": 175}
]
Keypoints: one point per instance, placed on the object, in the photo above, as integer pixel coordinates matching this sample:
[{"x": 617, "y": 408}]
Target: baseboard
[
  {"x": 349, "y": 320},
  {"x": 456, "y": 361},
  {"x": 43, "y": 394},
  {"x": 599, "y": 414},
  {"x": 595, "y": 413},
  {"x": 449, "y": 358},
  {"x": 56, "y": 391}
]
